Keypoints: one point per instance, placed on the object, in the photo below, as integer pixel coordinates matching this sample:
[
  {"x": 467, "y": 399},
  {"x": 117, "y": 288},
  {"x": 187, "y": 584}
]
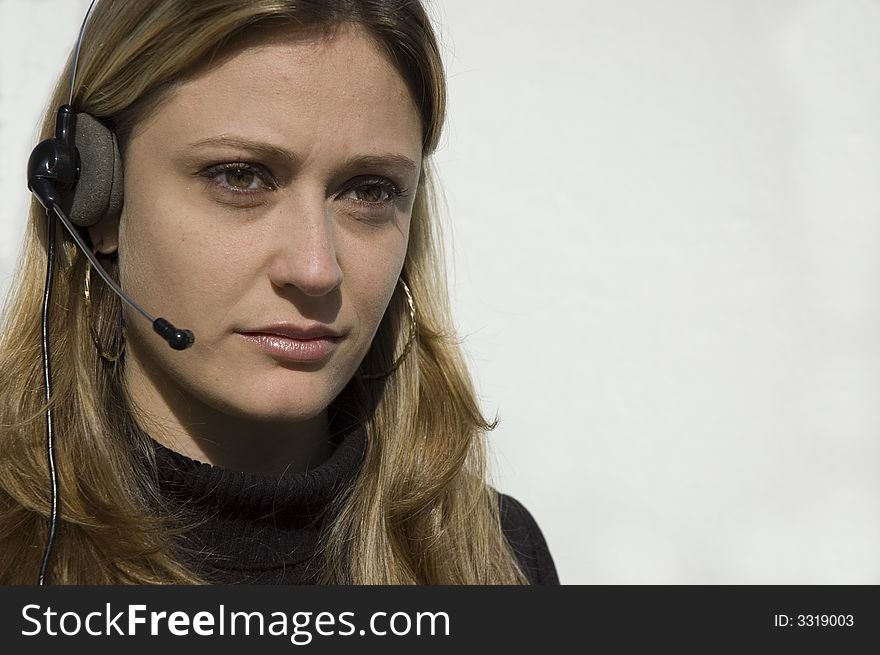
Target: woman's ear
[{"x": 105, "y": 235}]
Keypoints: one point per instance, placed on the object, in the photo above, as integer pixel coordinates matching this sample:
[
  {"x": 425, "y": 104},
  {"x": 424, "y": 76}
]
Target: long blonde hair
[{"x": 420, "y": 509}]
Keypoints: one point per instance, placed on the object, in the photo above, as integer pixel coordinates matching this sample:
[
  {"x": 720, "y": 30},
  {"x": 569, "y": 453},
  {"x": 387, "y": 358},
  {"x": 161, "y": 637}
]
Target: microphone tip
[
  {"x": 177, "y": 339},
  {"x": 181, "y": 339}
]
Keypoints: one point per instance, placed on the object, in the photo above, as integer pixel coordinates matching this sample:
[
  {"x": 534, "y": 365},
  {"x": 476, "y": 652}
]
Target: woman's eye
[
  {"x": 370, "y": 193},
  {"x": 377, "y": 193},
  {"x": 239, "y": 178}
]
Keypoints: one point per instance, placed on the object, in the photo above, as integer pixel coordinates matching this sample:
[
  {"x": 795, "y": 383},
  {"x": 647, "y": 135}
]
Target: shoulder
[{"x": 527, "y": 541}]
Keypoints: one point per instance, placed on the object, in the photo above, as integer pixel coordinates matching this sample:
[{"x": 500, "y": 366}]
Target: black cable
[
  {"x": 47, "y": 292},
  {"x": 50, "y": 442},
  {"x": 49, "y": 179}
]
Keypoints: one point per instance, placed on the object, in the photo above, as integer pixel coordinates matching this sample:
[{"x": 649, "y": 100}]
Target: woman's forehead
[{"x": 303, "y": 92}]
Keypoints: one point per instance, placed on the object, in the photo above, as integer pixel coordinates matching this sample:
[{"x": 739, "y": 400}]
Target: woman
[{"x": 277, "y": 201}]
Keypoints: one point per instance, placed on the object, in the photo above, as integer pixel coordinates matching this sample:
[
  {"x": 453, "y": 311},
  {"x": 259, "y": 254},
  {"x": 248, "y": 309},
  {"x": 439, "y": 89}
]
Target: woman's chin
[{"x": 276, "y": 407}]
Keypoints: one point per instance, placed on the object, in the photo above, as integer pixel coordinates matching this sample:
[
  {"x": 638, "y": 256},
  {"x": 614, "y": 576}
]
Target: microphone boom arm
[{"x": 177, "y": 339}]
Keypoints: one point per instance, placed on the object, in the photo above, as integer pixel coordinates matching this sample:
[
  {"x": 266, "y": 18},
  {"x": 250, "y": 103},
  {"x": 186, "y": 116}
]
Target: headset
[{"x": 77, "y": 177}]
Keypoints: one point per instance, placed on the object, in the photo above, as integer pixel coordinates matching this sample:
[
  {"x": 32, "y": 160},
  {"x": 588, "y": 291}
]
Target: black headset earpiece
[
  {"x": 80, "y": 169},
  {"x": 99, "y": 192},
  {"x": 77, "y": 176}
]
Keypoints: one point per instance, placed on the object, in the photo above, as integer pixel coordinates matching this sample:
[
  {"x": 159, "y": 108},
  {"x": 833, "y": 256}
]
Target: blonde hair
[{"x": 419, "y": 510}]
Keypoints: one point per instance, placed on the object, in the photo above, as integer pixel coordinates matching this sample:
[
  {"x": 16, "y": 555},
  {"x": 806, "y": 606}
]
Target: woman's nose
[{"x": 304, "y": 255}]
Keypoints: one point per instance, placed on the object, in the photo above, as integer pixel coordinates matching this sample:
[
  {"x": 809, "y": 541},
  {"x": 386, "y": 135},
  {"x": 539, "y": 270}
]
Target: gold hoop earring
[
  {"x": 88, "y": 296},
  {"x": 413, "y": 335}
]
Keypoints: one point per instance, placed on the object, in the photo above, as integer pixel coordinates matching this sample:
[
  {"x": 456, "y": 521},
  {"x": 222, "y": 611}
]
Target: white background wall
[{"x": 665, "y": 244}]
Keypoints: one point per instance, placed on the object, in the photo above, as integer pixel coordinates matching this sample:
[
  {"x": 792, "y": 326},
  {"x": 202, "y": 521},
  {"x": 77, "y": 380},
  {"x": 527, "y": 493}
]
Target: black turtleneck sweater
[{"x": 263, "y": 529}]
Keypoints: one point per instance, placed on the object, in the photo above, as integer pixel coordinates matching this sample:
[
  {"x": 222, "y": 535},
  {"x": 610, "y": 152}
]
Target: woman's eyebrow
[
  {"x": 259, "y": 148},
  {"x": 398, "y": 163}
]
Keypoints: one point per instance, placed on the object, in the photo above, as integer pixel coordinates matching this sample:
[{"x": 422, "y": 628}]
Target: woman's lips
[{"x": 294, "y": 350}]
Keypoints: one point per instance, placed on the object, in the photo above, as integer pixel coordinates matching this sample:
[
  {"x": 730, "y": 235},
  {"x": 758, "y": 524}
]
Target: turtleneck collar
[{"x": 253, "y": 523}]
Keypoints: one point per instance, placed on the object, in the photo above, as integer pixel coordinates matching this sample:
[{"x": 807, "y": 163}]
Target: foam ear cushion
[{"x": 98, "y": 193}]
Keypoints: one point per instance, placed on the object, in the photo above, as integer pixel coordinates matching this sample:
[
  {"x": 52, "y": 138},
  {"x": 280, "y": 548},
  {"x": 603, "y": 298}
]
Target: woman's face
[{"x": 275, "y": 188}]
